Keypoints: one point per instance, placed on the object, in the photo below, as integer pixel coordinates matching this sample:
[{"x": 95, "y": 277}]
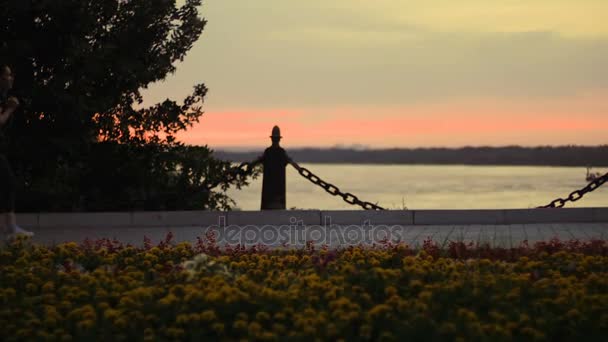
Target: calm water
[{"x": 431, "y": 187}]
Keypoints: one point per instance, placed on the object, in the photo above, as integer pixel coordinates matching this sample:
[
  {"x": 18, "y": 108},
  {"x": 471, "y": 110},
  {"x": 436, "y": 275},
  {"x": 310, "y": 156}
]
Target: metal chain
[
  {"x": 243, "y": 170},
  {"x": 246, "y": 169},
  {"x": 334, "y": 190},
  {"x": 578, "y": 194}
]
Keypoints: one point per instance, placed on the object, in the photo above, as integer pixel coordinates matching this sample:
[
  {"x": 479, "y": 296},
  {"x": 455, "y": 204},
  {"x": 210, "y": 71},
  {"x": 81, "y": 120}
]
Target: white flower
[{"x": 202, "y": 263}]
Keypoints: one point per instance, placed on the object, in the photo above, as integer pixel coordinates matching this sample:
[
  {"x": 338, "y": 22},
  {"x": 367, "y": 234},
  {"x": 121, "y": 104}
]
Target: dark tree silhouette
[{"x": 79, "y": 141}]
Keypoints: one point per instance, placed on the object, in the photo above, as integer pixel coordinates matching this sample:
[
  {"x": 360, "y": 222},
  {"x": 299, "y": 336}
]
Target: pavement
[
  {"x": 276, "y": 228},
  {"x": 334, "y": 235}
]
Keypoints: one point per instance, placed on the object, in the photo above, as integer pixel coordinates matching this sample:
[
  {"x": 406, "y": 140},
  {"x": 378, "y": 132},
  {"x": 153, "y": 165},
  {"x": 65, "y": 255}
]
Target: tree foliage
[{"x": 82, "y": 139}]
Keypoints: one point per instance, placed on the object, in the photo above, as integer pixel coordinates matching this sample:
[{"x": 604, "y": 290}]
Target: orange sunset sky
[{"x": 398, "y": 73}]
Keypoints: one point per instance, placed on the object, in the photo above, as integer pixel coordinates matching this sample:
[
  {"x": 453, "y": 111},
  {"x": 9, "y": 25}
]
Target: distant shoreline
[{"x": 581, "y": 156}]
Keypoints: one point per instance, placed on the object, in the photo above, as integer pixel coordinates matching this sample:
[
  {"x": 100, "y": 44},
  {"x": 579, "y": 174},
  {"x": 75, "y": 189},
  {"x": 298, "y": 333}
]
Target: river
[{"x": 431, "y": 187}]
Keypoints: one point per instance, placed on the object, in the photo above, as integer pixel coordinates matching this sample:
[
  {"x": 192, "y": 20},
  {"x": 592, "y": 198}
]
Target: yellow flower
[
  {"x": 149, "y": 335},
  {"x": 194, "y": 318},
  {"x": 467, "y": 315},
  {"x": 86, "y": 312},
  {"x": 415, "y": 284},
  {"x": 218, "y": 328},
  {"x": 242, "y": 316},
  {"x": 169, "y": 299},
  {"x": 262, "y": 316},
  {"x": 10, "y": 293},
  {"x": 208, "y": 316},
  {"x": 182, "y": 319},
  {"x": 254, "y": 329},
  {"x": 425, "y": 295},
  {"x": 111, "y": 314},
  {"x": 573, "y": 314},
  {"x": 240, "y": 325},
  {"x": 48, "y": 287},
  {"x": 496, "y": 316},
  {"x": 390, "y": 291},
  {"x": 86, "y": 324},
  {"x": 379, "y": 310}
]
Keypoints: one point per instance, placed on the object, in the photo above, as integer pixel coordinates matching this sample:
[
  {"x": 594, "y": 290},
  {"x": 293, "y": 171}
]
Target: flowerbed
[{"x": 104, "y": 290}]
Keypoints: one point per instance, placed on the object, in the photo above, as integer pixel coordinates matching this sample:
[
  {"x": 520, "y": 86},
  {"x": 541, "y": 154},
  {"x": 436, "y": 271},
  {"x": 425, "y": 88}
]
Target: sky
[{"x": 398, "y": 73}]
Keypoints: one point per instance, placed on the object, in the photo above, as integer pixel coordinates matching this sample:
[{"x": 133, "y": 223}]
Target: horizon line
[{"x": 372, "y": 148}]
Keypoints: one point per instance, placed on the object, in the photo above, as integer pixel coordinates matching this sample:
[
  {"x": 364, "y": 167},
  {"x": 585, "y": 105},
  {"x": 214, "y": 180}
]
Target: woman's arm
[
  {"x": 5, "y": 115},
  {"x": 8, "y": 110}
]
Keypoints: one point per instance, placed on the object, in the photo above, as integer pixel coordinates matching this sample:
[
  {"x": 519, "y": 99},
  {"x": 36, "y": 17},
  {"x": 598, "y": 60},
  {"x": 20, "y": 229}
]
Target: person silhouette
[
  {"x": 8, "y": 105},
  {"x": 275, "y": 160}
]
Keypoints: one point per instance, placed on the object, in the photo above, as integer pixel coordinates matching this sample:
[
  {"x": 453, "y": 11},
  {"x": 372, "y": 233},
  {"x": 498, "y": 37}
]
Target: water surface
[{"x": 431, "y": 187}]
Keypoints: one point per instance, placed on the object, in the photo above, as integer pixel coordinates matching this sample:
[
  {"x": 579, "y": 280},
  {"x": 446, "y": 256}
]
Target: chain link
[
  {"x": 244, "y": 169},
  {"x": 578, "y": 194},
  {"x": 334, "y": 190}
]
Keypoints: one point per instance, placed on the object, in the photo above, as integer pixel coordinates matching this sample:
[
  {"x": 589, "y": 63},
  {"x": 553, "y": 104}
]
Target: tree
[{"x": 79, "y": 142}]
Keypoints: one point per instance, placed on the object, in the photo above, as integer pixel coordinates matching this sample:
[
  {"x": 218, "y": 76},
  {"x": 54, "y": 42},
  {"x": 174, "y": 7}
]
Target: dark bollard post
[{"x": 275, "y": 161}]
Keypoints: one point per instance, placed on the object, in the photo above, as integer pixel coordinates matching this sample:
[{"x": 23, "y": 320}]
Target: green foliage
[{"x": 81, "y": 140}]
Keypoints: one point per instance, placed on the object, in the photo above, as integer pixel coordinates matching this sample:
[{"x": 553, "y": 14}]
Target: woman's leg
[
  {"x": 5, "y": 193},
  {"x": 11, "y": 218},
  {"x": 7, "y": 199}
]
